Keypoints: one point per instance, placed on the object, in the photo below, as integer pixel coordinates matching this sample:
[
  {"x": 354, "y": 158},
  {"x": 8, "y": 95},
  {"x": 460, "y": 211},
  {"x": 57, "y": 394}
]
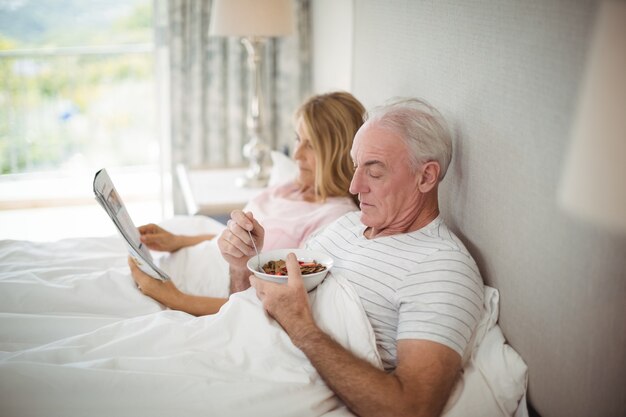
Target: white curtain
[{"x": 209, "y": 87}]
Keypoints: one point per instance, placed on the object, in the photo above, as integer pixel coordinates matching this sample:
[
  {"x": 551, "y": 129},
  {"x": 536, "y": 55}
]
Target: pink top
[{"x": 288, "y": 220}]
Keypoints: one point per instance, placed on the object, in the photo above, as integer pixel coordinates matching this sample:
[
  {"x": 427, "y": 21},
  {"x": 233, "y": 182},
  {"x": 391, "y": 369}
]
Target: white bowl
[{"x": 310, "y": 280}]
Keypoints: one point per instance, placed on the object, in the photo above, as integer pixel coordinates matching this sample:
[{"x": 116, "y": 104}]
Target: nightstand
[{"x": 213, "y": 192}]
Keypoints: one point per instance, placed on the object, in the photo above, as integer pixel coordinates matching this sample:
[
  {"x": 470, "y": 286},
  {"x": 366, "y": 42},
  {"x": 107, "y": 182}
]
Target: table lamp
[
  {"x": 253, "y": 21},
  {"x": 593, "y": 185}
]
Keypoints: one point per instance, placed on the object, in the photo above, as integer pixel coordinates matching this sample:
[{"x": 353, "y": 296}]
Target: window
[
  {"x": 77, "y": 84},
  {"x": 77, "y": 93}
]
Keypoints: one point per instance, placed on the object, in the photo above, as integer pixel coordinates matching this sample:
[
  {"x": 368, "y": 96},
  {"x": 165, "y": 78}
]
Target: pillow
[
  {"x": 494, "y": 379},
  {"x": 284, "y": 169},
  {"x": 491, "y": 311}
]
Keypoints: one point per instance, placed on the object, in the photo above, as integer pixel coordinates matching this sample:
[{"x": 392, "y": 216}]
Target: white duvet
[{"x": 78, "y": 339}]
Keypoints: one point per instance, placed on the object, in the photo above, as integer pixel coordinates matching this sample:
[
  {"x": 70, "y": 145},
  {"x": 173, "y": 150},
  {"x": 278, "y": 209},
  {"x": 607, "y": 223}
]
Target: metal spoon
[{"x": 258, "y": 259}]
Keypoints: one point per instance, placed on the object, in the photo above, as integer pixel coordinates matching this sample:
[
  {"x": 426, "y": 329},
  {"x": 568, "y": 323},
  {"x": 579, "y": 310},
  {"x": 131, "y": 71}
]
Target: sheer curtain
[{"x": 209, "y": 88}]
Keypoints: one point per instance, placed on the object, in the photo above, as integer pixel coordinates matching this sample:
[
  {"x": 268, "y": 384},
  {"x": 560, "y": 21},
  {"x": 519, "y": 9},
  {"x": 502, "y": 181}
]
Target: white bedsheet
[
  {"x": 238, "y": 362},
  {"x": 78, "y": 339}
]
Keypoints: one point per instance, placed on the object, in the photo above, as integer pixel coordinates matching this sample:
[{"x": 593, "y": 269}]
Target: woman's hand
[
  {"x": 164, "y": 292},
  {"x": 157, "y": 238}
]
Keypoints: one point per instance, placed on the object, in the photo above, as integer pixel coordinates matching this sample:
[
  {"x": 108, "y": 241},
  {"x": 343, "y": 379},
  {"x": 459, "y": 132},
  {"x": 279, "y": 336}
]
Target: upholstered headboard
[{"x": 506, "y": 74}]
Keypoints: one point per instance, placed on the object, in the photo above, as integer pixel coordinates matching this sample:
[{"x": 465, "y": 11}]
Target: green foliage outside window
[{"x": 57, "y": 107}]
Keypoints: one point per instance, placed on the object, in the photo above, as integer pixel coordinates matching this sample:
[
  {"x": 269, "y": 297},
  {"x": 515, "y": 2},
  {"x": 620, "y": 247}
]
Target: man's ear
[{"x": 429, "y": 176}]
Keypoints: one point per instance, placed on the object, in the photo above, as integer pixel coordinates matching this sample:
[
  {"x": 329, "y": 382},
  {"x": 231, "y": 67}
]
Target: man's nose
[{"x": 357, "y": 185}]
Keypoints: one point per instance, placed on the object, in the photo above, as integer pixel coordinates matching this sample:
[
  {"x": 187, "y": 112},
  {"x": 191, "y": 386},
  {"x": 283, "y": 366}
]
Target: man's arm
[
  {"x": 419, "y": 386},
  {"x": 238, "y": 279}
]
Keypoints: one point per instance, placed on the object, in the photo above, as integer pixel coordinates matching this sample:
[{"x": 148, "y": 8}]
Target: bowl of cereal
[{"x": 314, "y": 266}]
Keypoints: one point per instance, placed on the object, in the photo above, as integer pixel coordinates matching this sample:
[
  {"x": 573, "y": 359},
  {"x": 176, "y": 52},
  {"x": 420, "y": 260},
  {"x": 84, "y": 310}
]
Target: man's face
[{"x": 386, "y": 185}]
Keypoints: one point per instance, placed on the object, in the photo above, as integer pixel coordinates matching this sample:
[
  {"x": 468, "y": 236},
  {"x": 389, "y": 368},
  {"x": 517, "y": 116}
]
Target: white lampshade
[
  {"x": 593, "y": 186},
  {"x": 251, "y": 18}
]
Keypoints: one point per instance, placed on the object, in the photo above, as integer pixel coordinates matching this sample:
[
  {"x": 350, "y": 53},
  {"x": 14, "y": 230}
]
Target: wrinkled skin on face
[{"x": 394, "y": 198}]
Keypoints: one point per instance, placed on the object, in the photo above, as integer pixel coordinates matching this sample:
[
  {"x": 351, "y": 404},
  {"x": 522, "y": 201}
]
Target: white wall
[
  {"x": 506, "y": 74},
  {"x": 332, "y": 44}
]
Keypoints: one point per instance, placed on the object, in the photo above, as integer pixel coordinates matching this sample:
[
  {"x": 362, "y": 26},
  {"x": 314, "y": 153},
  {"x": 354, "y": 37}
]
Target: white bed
[{"x": 77, "y": 338}]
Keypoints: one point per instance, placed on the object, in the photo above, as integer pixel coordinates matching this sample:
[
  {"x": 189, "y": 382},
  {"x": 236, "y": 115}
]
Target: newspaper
[{"x": 111, "y": 202}]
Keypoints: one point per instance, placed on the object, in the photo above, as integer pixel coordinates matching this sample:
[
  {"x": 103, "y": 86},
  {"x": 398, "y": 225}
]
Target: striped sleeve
[{"x": 441, "y": 300}]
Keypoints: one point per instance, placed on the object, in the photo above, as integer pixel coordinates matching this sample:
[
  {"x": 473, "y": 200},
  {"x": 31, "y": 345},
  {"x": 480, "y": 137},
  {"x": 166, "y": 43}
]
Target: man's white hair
[{"x": 421, "y": 126}]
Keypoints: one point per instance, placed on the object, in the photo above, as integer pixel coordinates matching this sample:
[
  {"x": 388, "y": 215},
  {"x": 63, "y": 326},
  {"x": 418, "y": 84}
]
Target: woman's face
[{"x": 304, "y": 156}]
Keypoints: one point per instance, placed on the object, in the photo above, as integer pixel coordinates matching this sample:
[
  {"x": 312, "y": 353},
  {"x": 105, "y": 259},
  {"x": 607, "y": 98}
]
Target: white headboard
[{"x": 506, "y": 75}]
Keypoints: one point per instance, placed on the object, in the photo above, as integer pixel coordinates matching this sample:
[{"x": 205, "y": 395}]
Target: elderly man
[{"x": 419, "y": 286}]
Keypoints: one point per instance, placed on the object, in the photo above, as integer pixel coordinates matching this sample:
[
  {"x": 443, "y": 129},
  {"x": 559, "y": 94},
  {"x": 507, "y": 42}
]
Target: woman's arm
[
  {"x": 159, "y": 239},
  {"x": 166, "y": 293}
]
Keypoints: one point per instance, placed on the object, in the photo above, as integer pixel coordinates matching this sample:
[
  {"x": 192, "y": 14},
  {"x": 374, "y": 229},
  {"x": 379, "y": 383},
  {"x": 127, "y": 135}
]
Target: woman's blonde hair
[{"x": 331, "y": 120}]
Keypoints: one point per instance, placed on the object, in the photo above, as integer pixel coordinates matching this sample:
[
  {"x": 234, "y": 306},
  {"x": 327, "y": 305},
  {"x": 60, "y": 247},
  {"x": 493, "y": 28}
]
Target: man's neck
[{"x": 426, "y": 214}]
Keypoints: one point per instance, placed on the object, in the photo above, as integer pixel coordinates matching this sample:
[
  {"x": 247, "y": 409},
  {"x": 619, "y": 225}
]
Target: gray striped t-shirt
[{"x": 418, "y": 285}]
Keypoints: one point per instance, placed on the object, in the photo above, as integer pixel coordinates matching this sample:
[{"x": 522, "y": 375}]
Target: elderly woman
[{"x": 325, "y": 127}]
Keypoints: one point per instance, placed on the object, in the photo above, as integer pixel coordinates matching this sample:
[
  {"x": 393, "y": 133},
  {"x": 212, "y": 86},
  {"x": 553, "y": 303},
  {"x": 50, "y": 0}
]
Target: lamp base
[
  {"x": 248, "y": 182},
  {"x": 258, "y": 173}
]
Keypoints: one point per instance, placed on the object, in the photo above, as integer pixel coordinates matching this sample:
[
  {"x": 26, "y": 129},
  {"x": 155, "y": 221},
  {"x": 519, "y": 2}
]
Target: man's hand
[
  {"x": 237, "y": 248},
  {"x": 287, "y": 304},
  {"x": 419, "y": 386},
  {"x": 234, "y": 242}
]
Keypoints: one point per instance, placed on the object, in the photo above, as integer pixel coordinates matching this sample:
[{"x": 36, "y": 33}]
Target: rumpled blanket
[{"x": 77, "y": 338}]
